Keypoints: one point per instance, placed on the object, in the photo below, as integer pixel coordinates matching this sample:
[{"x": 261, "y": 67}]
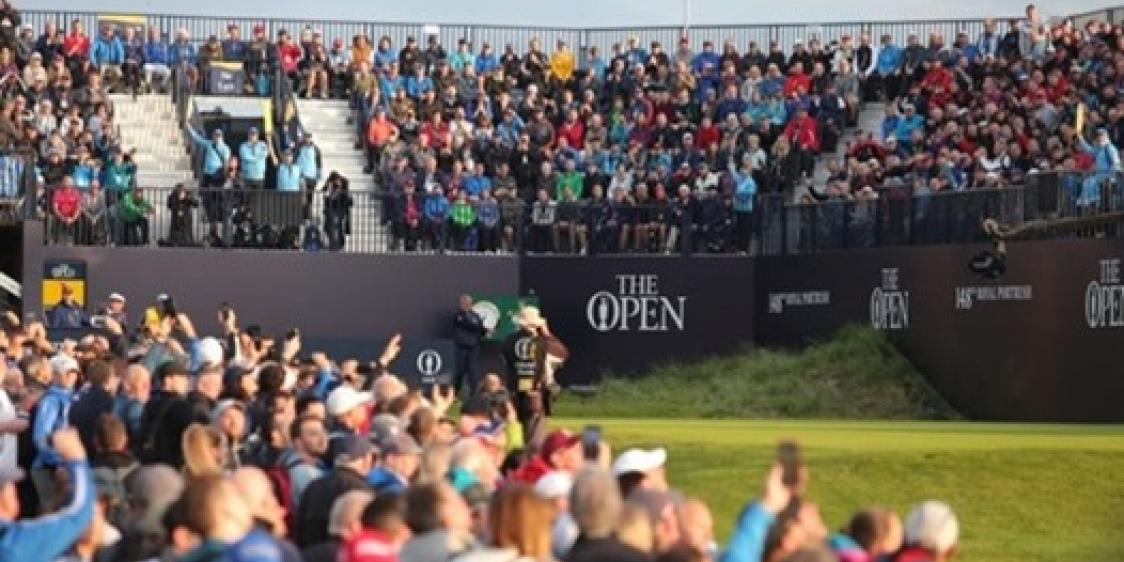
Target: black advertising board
[
  {"x": 622, "y": 314},
  {"x": 1039, "y": 343}
]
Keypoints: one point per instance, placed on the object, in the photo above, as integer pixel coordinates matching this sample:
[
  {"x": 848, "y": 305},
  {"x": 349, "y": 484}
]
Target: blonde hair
[
  {"x": 201, "y": 452},
  {"x": 635, "y": 528},
  {"x": 522, "y": 520}
]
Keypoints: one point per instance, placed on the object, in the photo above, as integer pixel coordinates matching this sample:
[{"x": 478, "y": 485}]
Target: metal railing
[
  {"x": 200, "y": 27},
  {"x": 366, "y": 222}
]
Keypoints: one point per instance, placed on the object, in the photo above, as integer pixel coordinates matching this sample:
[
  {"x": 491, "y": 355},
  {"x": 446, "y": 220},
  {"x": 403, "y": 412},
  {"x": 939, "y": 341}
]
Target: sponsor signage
[
  {"x": 778, "y": 302},
  {"x": 1104, "y": 297},
  {"x": 889, "y": 303},
  {"x": 636, "y": 304},
  {"x": 58, "y": 274},
  {"x": 967, "y": 297}
]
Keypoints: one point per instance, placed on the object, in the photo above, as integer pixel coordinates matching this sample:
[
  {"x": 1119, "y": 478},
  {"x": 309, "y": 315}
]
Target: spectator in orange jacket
[{"x": 379, "y": 131}]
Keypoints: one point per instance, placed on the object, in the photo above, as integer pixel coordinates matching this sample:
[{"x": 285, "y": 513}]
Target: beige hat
[{"x": 530, "y": 316}]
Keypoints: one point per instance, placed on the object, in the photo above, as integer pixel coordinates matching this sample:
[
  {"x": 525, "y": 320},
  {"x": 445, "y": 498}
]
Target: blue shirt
[
  {"x": 215, "y": 154},
  {"x": 436, "y": 208},
  {"x": 253, "y": 160},
  {"x": 486, "y": 63},
  {"x": 415, "y": 86},
  {"x": 53, "y": 411},
  {"x": 306, "y": 159},
  {"x": 384, "y": 58},
  {"x": 46, "y": 538},
  {"x": 889, "y": 59},
  {"x": 181, "y": 52},
  {"x": 156, "y": 52},
  {"x": 474, "y": 184},
  {"x": 107, "y": 51},
  {"x": 288, "y": 178},
  {"x": 744, "y": 192}
]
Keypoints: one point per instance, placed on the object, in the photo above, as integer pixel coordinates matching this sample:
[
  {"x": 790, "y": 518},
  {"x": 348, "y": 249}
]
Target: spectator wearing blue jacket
[
  {"x": 108, "y": 54},
  {"x": 887, "y": 67},
  {"x": 309, "y": 162},
  {"x": 747, "y": 542},
  {"x": 385, "y": 54},
  {"x": 486, "y": 61},
  {"x": 289, "y": 178},
  {"x": 477, "y": 181},
  {"x": 156, "y": 57},
  {"x": 253, "y": 154},
  {"x": 1106, "y": 166},
  {"x": 52, "y": 414},
  {"x": 215, "y": 155},
  {"x": 706, "y": 57},
  {"x": 182, "y": 51},
  {"x": 418, "y": 84},
  {"x": 907, "y": 123},
  {"x": 46, "y": 538},
  {"x": 435, "y": 213},
  {"x": 745, "y": 191}
]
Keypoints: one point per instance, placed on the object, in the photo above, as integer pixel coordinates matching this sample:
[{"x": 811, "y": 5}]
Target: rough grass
[
  {"x": 1023, "y": 492},
  {"x": 858, "y": 374}
]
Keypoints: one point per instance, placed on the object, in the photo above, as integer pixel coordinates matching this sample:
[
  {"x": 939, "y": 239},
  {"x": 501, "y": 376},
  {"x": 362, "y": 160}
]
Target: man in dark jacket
[
  {"x": 96, "y": 399},
  {"x": 468, "y": 332},
  {"x": 354, "y": 459},
  {"x": 166, "y": 417}
]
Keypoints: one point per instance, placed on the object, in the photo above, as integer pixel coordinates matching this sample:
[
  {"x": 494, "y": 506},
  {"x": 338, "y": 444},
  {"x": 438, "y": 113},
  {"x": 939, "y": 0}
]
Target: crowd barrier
[{"x": 372, "y": 222}]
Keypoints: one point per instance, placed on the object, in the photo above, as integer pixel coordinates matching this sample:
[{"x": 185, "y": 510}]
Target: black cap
[{"x": 476, "y": 406}]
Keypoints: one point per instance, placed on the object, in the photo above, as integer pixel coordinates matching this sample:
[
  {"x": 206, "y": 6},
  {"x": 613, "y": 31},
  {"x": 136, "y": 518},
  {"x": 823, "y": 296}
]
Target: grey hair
[{"x": 595, "y": 502}]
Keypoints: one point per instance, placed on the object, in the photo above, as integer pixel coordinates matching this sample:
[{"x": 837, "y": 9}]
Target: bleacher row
[{"x": 704, "y": 129}]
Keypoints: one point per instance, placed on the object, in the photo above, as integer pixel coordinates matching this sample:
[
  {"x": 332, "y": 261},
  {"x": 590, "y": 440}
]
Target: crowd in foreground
[
  {"x": 574, "y": 151},
  {"x": 158, "y": 443}
]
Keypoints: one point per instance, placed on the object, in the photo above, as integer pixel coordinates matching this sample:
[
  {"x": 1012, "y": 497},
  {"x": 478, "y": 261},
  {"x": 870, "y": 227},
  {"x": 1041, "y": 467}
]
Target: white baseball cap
[
  {"x": 63, "y": 363},
  {"x": 933, "y": 526},
  {"x": 554, "y": 484},
  {"x": 639, "y": 460},
  {"x": 344, "y": 398}
]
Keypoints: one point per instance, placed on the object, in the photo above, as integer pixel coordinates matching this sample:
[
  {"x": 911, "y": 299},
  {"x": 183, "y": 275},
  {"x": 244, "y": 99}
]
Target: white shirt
[{"x": 9, "y": 443}]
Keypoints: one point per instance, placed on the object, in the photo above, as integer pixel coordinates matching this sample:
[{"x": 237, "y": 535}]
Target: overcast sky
[{"x": 585, "y": 13}]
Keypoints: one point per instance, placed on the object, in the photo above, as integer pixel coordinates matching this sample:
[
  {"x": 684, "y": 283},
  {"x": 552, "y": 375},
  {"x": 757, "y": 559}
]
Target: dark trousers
[{"x": 466, "y": 369}]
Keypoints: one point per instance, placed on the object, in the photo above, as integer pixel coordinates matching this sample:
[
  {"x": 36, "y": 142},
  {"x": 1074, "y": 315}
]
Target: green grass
[
  {"x": 1023, "y": 492},
  {"x": 857, "y": 374}
]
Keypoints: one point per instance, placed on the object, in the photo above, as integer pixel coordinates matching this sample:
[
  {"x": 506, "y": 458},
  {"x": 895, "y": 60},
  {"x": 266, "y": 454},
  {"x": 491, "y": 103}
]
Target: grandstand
[{"x": 808, "y": 137}]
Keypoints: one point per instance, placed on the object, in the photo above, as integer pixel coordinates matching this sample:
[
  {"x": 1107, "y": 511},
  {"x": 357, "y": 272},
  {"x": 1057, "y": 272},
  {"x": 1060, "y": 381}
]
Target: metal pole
[{"x": 686, "y": 16}]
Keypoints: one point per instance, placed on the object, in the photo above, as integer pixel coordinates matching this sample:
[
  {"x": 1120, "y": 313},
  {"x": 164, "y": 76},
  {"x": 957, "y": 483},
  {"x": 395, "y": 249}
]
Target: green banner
[{"x": 498, "y": 312}]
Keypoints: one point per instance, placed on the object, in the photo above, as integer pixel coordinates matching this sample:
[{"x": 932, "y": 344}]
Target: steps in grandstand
[
  {"x": 870, "y": 119},
  {"x": 327, "y": 120},
  {"x": 148, "y": 124}
]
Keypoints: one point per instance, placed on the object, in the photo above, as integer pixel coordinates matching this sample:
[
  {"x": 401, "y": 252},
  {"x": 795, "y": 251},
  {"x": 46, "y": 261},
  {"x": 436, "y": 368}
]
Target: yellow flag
[{"x": 1079, "y": 121}]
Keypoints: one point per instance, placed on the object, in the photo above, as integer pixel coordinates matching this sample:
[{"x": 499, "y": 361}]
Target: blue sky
[{"x": 584, "y": 13}]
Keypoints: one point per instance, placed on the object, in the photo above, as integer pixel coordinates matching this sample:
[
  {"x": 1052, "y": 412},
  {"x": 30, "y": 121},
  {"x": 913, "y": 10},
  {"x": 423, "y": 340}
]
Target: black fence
[{"x": 370, "y": 222}]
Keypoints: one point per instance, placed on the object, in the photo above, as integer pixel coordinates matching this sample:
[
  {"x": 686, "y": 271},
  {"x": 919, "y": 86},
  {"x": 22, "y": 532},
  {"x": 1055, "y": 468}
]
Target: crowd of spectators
[
  {"x": 645, "y": 148},
  {"x": 152, "y": 441}
]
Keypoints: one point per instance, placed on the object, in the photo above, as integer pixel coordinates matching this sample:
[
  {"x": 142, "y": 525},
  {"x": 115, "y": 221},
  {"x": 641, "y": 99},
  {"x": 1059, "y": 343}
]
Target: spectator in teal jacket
[
  {"x": 46, "y": 538},
  {"x": 747, "y": 543},
  {"x": 253, "y": 154},
  {"x": 215, "y": 155},
  {"x": 107, "y": 50},
  {"x": 288, "y": 174}
]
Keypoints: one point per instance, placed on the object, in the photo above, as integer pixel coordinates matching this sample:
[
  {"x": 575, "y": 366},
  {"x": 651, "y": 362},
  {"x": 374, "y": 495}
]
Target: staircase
[
  {"x": 327, "y": 120},
  {"x": 149, "y": 125},
  {"x": 869, "y": 120}
]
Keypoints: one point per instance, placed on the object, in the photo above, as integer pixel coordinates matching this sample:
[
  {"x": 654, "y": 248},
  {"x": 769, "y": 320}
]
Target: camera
[
  {"x": 167, "y": 307},
  {"x": 98, "y": 321}
]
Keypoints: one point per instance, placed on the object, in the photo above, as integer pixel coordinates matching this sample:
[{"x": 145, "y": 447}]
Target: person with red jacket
[
  {"x": 66, "y": 207},
  {"x": 797, "y": 81},
  {"x": 803, "y": 132},
  {"x": 289, "y": 54},
  {"x": 573, "y": 130},
  {"x": 938, "y": 79},
  {"x": 707, "y": 134},
  {"x": 76, "y": 45}
]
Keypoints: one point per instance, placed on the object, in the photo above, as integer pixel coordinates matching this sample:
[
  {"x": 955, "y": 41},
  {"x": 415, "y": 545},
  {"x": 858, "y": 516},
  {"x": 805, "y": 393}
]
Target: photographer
[{"x": 180, "y": 206}]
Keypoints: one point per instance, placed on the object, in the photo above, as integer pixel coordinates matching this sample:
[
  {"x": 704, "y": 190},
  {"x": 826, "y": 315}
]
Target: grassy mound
[{"x": 857, "y": 374}]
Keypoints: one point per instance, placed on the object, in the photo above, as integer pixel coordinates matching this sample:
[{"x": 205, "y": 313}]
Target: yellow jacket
[{"x": 562, "y": 64}]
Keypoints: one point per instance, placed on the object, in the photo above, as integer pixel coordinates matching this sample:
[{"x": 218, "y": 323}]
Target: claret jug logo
[{"x": 637, "y": 305}]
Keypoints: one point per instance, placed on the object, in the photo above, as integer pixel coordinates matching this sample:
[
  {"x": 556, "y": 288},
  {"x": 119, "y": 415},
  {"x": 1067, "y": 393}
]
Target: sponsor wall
[
  {"x": 1041, "y": 343},
  {"x": 622, "y": 314},
  {"x": 1037, "y": 344}
]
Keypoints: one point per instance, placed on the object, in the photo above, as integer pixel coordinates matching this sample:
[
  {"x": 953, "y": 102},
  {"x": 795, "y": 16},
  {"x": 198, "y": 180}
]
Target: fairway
[{"x": 1023, "y": 492}]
